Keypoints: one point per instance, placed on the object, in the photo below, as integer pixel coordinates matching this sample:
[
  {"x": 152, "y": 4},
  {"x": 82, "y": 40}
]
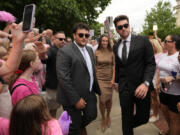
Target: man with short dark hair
[
  {"x": 77, "y": 82},
  {"x": 51, "y": 77},
  {"x": 134, "y": 70}
]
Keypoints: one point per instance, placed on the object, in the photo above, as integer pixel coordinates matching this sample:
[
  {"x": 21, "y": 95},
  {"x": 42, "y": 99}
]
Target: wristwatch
[{"x": 146, "y": 83}]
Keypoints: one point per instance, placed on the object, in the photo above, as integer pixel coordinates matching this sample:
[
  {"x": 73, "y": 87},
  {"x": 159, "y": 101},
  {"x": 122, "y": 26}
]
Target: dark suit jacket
[
  {"x": 51, "y": 75},
  {"x": 73, "y": 76},
  {"x": 140, "y": 65}
]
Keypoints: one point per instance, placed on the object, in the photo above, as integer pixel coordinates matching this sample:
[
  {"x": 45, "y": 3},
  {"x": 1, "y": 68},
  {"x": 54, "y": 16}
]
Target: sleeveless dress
[{"x": 105, "y": 61}]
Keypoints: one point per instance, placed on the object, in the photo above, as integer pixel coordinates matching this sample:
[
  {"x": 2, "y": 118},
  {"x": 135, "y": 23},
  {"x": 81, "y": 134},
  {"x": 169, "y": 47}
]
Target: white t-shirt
[{"x": 167, "y": 65}]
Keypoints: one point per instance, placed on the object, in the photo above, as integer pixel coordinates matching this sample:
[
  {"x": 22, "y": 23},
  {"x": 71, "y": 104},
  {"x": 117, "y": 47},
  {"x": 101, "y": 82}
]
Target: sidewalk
[{"x": 116, "y": 125}]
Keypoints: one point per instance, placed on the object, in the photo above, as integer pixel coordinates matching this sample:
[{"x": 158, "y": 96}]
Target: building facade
[{"x": 178, "y": 13}]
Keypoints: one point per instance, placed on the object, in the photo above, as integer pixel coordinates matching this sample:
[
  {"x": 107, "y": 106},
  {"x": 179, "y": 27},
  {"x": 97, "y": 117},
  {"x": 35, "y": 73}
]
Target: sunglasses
[
  {"x": 168, "y": 41},
  {"x": 61, "y": 39},
  {"x": 81, "y": 35},
  {"x": 120, "y": 27}
]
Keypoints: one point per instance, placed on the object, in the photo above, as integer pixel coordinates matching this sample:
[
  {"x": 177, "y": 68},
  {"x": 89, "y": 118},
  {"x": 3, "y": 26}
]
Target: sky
[{"x": 134, "y": 9}]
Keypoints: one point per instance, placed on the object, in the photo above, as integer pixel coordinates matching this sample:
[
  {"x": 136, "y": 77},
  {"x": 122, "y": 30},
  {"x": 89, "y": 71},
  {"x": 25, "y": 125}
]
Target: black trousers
[
  {"x": 81, "y": 118},
  {"x": 129, "y": 120}
]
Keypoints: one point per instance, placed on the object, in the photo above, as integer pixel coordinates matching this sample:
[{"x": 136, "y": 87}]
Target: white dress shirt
[
  {"x": 128, "y": 41},
  {"x": 87, "y": 59}
]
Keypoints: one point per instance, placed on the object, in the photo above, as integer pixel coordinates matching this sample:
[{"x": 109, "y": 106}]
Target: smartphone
[{"x": 28, "y": 17}]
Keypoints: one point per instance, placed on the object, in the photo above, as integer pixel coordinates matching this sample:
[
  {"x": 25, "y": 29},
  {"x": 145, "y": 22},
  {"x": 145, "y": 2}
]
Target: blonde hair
[
  {"x": 3, "y": 52},
  {"x": 156, "y": 46},
  {"x": 5, "y": 42},
  {"x": 36, "y": 31}
]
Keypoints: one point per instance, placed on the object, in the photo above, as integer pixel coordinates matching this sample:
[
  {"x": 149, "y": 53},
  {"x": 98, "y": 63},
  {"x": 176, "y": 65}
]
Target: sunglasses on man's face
[
  {"x": 168, "y": 41},
  {"x": 81, "y": 35},
  {"x": 61, "y": 39},
  {"x": 120, "y": 27}
]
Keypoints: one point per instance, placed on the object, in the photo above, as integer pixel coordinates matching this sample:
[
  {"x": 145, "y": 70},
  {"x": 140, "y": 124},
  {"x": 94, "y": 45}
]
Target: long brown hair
[
  {"x": 27, "y": 57},
  {"x": 28, "y": 115},
  {"x": 100, "y": 42}
]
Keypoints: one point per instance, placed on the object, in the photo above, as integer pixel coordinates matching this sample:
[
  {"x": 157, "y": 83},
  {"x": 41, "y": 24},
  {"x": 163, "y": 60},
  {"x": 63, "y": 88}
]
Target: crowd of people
[{"x": 144, "y": 71}]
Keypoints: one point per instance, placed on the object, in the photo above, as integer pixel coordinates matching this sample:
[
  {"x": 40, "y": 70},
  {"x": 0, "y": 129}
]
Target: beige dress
[{"x": 104, "y": 70}]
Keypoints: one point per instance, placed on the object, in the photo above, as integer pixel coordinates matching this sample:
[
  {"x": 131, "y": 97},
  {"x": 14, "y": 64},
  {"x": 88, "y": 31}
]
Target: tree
[
  {"x": 176, "y": 31},
  {"x": 162, "y": 15},
  {"x": 58, "y": 14},
  {"x": 96, "y": 27}
]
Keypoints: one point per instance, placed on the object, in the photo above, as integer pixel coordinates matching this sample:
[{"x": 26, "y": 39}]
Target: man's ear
[
  {"x": 74, "y": 36},
  {"x": 31, "y": 63}
]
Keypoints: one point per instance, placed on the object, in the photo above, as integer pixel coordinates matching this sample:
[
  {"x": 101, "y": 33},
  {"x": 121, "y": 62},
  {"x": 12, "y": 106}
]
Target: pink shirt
[
  {"x": 4, "y": 126},
  {"x": 52, "y": 129},
  {"x": 23, "y": 91}
]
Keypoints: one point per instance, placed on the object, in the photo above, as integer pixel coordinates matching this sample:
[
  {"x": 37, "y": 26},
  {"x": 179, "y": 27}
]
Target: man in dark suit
[
  {"x": 49, "y": 59},
  {"x": 77, "y": 80},
  {"x": 135, "y": 66}
]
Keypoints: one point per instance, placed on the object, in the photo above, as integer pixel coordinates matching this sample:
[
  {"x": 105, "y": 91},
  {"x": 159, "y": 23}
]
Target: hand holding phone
[
  {"x": 28, "y": 17},
  {"x": 16, "y": 32}
]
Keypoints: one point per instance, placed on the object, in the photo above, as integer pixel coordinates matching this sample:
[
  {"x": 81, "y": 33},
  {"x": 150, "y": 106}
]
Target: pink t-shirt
[
  {"x": 4, "y": 126},
  {"x": 53, "y": 127},
  {"x": 23, "y": 91}
]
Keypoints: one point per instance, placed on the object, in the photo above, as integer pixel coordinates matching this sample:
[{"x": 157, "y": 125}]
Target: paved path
[{"x": 116, "y": 125}]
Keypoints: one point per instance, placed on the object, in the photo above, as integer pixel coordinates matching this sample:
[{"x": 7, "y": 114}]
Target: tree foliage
[
  {"x": 58, "y": 14},
  {"x": 176, "y": 31},
  {"x": 163, "y": 15},
  {"x": 97, "y": 27}
]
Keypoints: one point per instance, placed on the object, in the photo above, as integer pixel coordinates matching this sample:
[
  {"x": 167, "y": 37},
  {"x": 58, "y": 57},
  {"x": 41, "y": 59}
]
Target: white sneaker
[{"x": 153, "y": 118}]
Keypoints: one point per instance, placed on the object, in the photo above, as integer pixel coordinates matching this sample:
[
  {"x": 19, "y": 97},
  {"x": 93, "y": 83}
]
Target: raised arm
[{"x": 16, "y": 53}]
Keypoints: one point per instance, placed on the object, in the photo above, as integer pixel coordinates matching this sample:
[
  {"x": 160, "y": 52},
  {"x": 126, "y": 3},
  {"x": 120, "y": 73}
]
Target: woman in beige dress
[{"x": 105, "y": 70}]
